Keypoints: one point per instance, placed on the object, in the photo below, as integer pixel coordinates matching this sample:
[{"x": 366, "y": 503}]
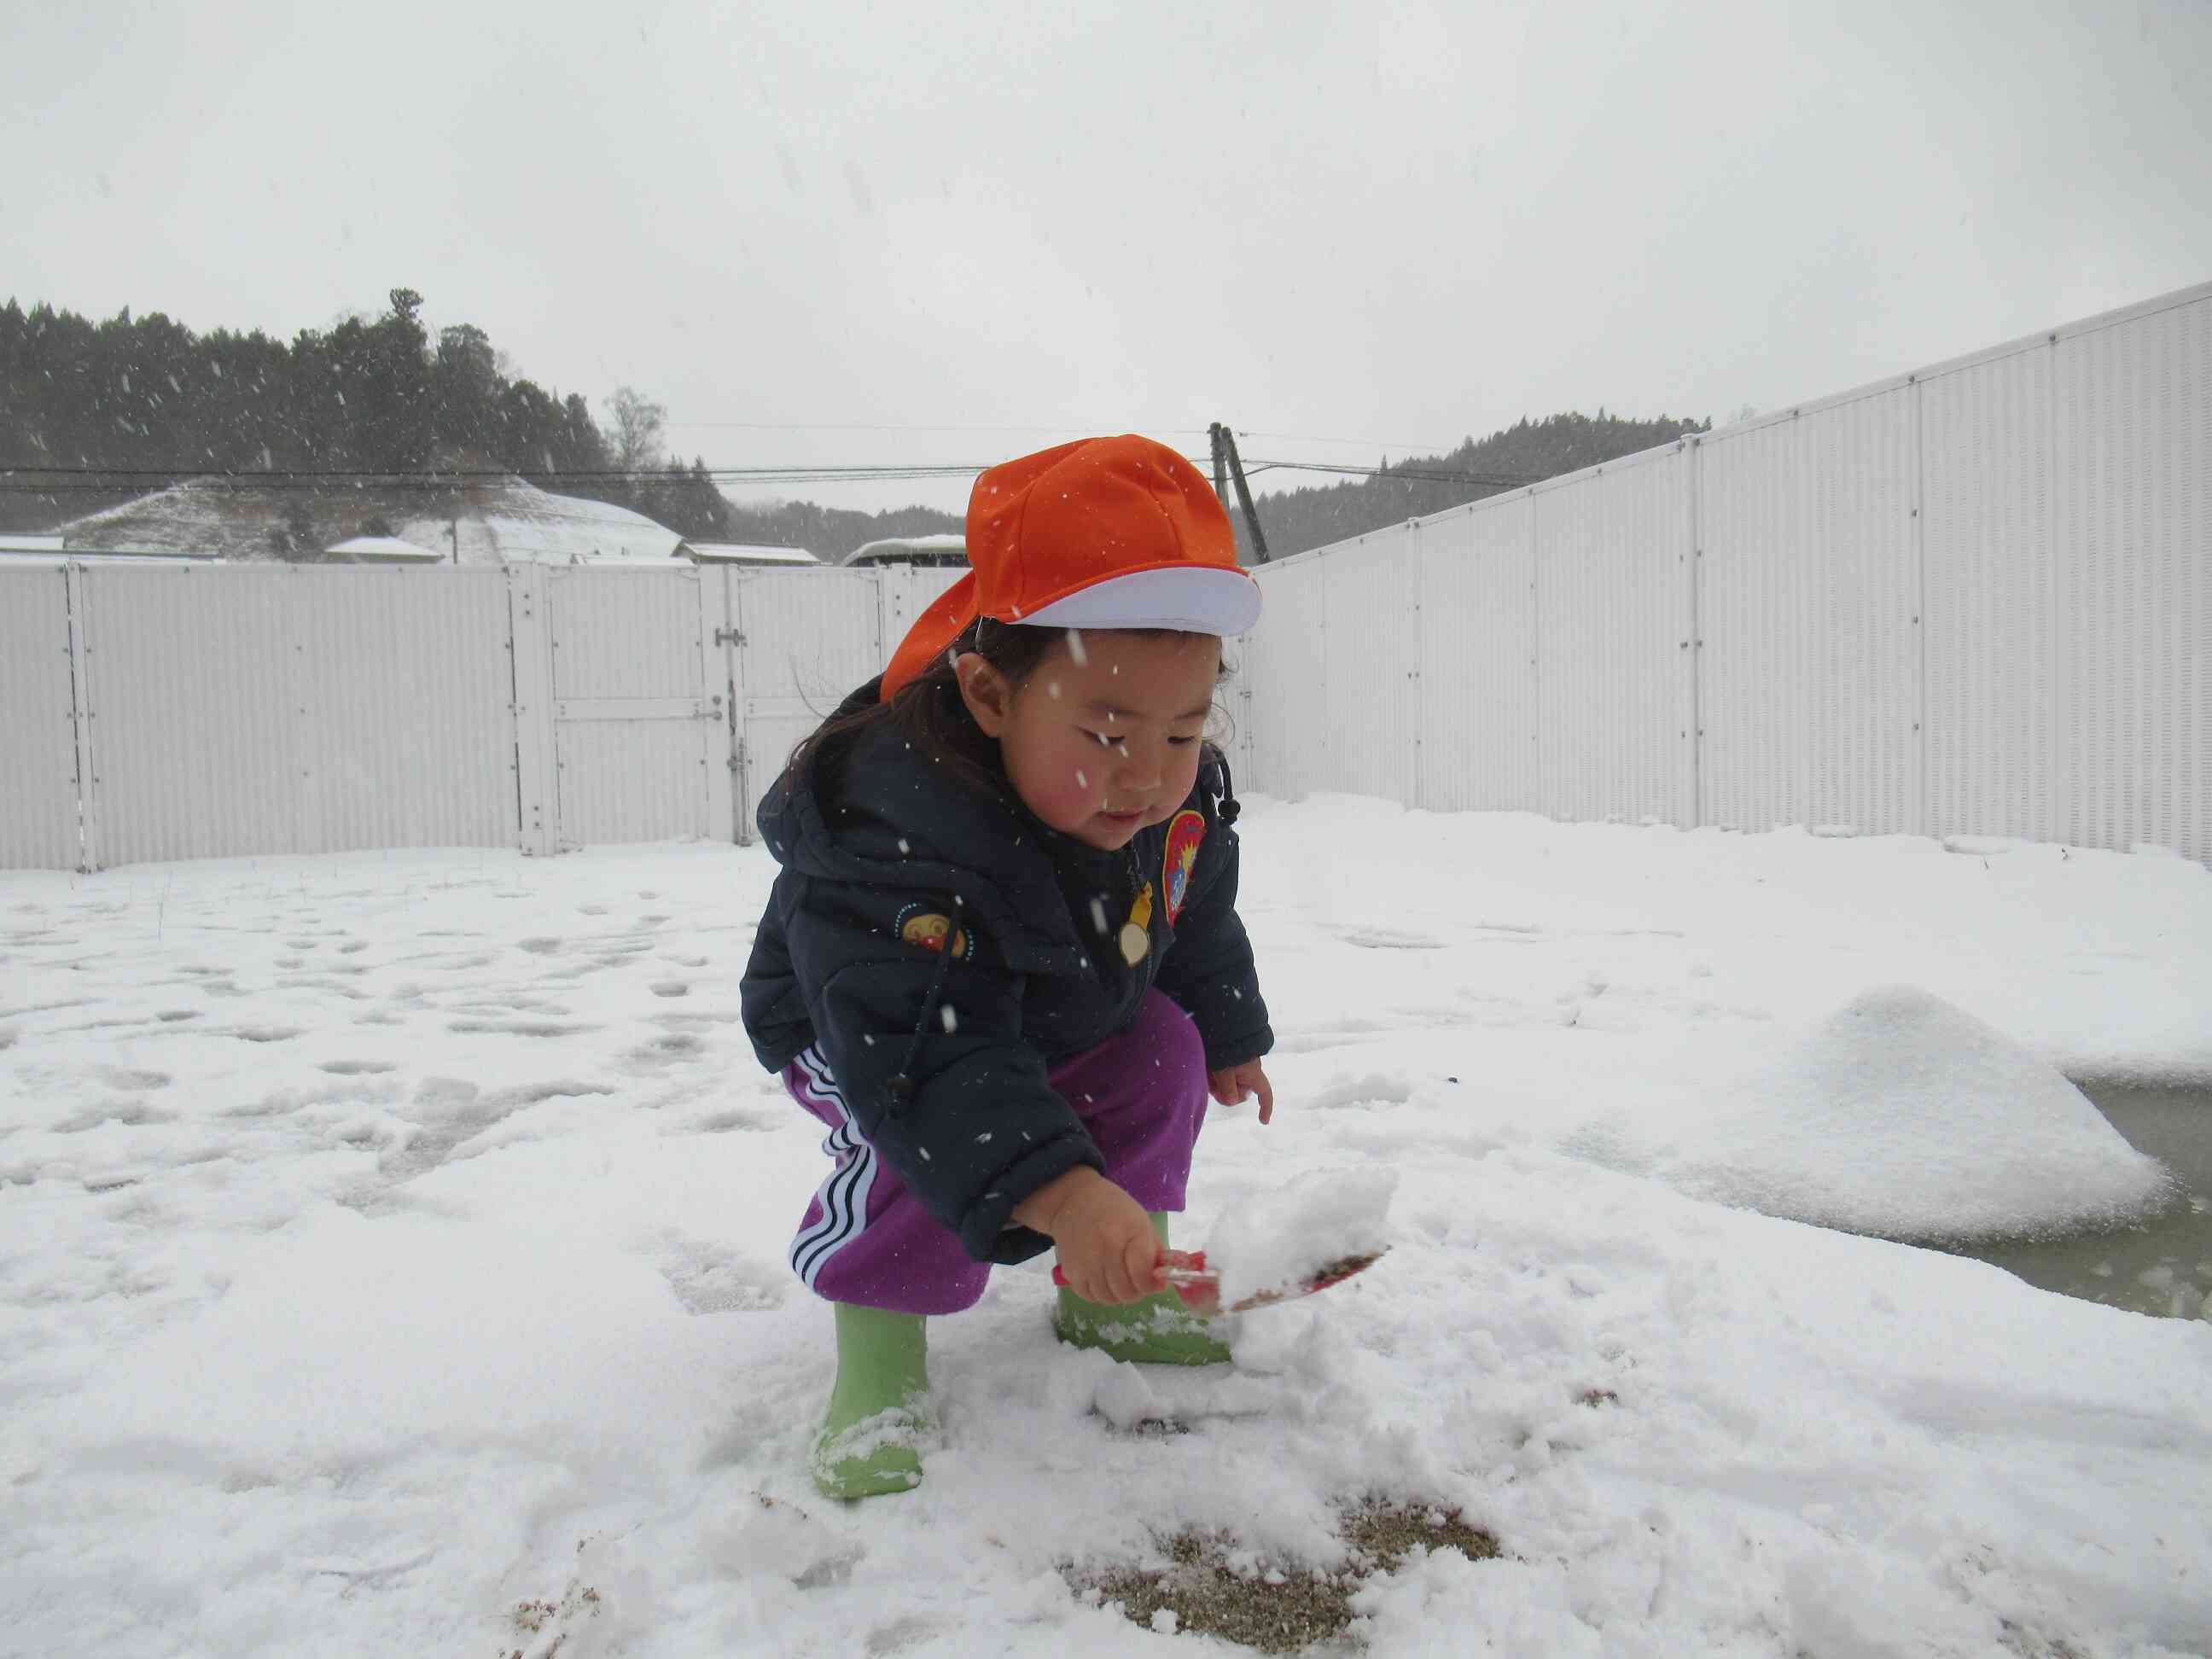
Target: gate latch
[{"x": 728, "y": 636}]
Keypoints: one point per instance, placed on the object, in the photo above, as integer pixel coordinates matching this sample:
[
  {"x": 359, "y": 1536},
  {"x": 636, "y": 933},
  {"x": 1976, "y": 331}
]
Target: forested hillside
[
  {"x": 1297, "y": 519},
  {"x": 94, "y": 413}
]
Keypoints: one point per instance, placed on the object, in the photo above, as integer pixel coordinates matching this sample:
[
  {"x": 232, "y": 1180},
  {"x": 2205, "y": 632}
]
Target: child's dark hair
[{"x": 930, "y": 713}]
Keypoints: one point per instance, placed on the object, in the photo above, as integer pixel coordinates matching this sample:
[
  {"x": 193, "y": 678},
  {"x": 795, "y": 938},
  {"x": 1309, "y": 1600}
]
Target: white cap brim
[{"x": 1189, "y": 598}]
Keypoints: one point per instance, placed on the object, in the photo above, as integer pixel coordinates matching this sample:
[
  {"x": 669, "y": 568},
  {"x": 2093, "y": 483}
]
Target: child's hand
[
  {"x": 1108, "y": 1249},
  {"x": 1235, "y": 1084}
]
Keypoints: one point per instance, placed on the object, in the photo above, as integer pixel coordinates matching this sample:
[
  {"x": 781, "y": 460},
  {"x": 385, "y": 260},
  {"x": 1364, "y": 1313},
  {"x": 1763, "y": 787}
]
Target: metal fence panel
[
  {"x": 907, "y": 590},
  {"x": 406, "y": 697},
  {"x": 637, "y": 725},
  {"x": 810, "y": 638},
  {"x": 259, "y": 711},
  {"x": 1477, "y": 643},
  {"x": 2132, "y": 422},
  {"x": 1368, "y": 664},
  {"x": 625, "y": 635},
  {"x": 1293, "y": 736},
  {"x": 1612, "y": 630},
  {"x": 1998, "y": 613},
  {"x": 1808, "y": 614},
  {"x": 38, "y": 736},
  {"x": 195, "y": 712}
]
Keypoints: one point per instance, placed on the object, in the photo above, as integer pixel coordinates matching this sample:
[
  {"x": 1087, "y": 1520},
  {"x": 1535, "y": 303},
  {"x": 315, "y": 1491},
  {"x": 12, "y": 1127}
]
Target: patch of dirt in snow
[
  {"x": 1217, "y": 1589},
  {"x": 550, "y": 1624}
]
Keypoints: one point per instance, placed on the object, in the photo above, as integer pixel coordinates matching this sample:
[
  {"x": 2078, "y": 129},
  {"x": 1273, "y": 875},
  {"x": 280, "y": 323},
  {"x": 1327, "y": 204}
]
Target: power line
[
  {"x": 1503, "y": 480},
  {"x": 462, "y": 474},
  {"x": 1362, "y": 443},
  {"x": 108, "y": 480},
  {"x": 883, "y": 426}
]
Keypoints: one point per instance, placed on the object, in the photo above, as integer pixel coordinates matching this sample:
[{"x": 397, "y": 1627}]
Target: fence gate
[
  {"x": 798, "y": 641},
  {"x": 640, "y": 725}
]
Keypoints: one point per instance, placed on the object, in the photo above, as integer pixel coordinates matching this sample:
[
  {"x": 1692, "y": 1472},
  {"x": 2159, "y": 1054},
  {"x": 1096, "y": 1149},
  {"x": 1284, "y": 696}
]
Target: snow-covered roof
[
  {"x": 383, "y": 549},
  {"x": 521, "y": 524},
  {"x": 947, "y": 549},
  {"x": 476, "y": 521},
  {"x": 748, "y": 553}
]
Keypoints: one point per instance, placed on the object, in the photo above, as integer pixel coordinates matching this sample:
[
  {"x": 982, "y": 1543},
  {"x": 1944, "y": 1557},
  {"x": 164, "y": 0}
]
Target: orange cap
[{"x": 1103, "y": 533}]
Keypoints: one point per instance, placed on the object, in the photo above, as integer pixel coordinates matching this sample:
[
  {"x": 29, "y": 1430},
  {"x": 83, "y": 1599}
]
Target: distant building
[
  {"x": 946, "y": 549},
  {"x": 747, "y": 553}
]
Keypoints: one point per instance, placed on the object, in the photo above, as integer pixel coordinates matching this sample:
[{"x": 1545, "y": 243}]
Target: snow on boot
[
  {"x": 878, "y": 1408},
  {"x": 1159, "y": 1330}
]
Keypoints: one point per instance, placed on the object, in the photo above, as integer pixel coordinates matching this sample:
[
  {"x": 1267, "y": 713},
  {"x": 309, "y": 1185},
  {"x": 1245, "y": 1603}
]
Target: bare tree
[{"x": 634, "y": 439}]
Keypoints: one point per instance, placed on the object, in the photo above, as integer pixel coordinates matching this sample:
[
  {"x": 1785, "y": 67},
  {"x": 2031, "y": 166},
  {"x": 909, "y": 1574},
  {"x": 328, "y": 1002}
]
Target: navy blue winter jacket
[{"x": 945, "y": 950}]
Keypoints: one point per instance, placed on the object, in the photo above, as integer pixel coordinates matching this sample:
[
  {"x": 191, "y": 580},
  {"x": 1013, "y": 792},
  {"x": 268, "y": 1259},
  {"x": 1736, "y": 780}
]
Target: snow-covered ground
[{"x": 391, "y": 1263}]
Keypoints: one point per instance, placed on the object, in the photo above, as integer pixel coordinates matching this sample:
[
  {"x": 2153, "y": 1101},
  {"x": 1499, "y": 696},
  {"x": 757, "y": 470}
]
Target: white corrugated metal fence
[
  {"x": 1973, "y": 600},
  {"x": 206, "y": 711},
  {"x": 1976, "y": 600}
]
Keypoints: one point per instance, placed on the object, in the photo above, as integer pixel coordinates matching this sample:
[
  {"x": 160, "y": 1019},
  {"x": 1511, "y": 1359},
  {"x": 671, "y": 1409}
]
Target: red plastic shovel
[{"x": 1199, "y": 1285}]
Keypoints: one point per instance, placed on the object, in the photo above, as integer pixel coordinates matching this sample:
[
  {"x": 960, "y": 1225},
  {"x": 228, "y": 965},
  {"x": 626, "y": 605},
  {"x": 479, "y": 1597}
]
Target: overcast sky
[{"x": 957, "y": 234}]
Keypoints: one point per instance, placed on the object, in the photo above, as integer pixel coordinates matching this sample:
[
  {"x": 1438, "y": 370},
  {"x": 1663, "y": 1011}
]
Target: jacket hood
[{"x": 895, "y": 819}]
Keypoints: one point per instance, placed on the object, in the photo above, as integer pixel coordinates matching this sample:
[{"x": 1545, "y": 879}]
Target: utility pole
[{"x": 1226, "y": 459}]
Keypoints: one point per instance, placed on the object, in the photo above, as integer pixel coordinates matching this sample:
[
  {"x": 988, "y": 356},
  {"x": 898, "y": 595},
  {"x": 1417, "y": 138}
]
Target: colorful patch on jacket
[
  {"x": 933, "y": 931},
  {"x": 1184, "y": 834}
]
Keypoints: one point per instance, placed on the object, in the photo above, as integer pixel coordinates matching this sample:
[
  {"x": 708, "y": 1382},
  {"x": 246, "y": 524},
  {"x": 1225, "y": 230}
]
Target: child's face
[{"x": 1102, "y": 739}]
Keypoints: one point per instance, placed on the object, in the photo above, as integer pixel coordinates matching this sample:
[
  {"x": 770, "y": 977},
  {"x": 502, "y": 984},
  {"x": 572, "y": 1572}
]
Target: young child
[{"x": 1002, "y": 961}]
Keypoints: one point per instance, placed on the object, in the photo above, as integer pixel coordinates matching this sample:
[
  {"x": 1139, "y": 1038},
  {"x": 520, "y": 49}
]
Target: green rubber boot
[
  {"x": 1156, "y": 1331},
  {"x": 879, "y": 1407}
]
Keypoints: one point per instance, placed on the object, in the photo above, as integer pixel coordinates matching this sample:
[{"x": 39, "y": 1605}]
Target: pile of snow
[
  {"x": 1275, "y": 1240},
  {"x": 1902, "y": 1116}
]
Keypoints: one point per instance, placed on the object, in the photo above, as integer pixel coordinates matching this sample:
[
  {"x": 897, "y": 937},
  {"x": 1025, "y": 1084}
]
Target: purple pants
[{"x": 865, "y": 1238}]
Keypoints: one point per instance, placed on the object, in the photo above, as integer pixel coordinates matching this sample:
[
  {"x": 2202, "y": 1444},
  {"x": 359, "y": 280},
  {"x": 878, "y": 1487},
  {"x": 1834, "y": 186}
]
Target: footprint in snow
[
  {"x": 120, "y": 1079},
  {"x": 720, "y": 1123},
  {"x": 1376, "y": 1089},
  {"x": 1371, "y": 938},
  {"x": 448, "y": 1112},
  {"x": 533, "y": 1028},
  {"x": 130, "y": 1114},
  {"x": 664, "y": 1051},
  {"x": 708, "y": 1280}
]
